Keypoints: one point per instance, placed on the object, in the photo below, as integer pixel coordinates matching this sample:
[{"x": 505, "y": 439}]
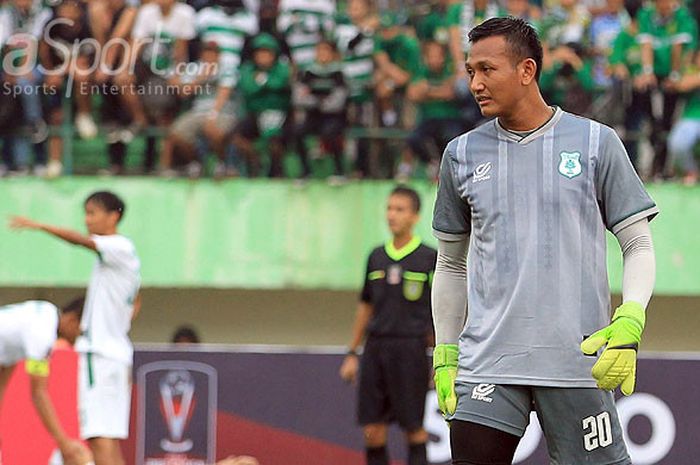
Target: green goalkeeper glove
[
  {"x": 617, "y": 365},
  {"x": 445, "y": 364}
]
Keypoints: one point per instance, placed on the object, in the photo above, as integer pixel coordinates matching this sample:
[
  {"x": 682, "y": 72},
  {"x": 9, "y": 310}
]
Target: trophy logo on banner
[{"x": 177, "y": 405}]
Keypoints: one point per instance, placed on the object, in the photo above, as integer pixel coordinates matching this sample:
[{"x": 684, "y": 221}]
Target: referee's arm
[{"x": 350, "y": 366}]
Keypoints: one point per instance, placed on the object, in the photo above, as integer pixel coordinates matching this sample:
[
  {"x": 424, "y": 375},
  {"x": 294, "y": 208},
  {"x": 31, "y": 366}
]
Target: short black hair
[
  {"x": 185, "y": 334},
  {"x": 519, "y": 35},
  {"x": 75, "y": 306},
  {"x": 411, "y": 194},
  {"x": 109, "y": 201},
  {"x": 632, "y": 7}
]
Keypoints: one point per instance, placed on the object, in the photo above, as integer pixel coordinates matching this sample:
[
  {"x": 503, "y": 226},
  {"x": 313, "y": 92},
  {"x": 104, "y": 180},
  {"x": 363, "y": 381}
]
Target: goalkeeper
[{"x": 529, "y": 195}]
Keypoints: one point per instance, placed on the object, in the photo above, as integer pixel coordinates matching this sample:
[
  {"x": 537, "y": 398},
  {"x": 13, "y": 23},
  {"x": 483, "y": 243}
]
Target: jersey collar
[
  {"x": 534, "y": 134},
  {"x": 399, "y": 254}
]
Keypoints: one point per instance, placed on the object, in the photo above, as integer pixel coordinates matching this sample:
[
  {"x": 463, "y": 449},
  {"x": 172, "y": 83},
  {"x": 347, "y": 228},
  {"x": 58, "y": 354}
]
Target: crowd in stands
[{"x": 376, "y": 86}]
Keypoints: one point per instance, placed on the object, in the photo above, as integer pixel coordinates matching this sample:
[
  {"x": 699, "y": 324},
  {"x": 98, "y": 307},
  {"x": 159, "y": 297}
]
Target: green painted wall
[{"x": 259, "y": 234}]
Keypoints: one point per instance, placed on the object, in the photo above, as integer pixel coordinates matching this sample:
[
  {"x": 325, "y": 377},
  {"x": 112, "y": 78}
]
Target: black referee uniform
[{"x": 394, "y": 369}]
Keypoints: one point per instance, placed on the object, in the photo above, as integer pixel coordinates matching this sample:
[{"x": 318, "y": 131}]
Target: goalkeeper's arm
[
  {"x": 639, "y": 263},
  {"x": 449, "y": 294},
  {"x": 449, "y": 302},
  {"x": 617, "y": 365}
]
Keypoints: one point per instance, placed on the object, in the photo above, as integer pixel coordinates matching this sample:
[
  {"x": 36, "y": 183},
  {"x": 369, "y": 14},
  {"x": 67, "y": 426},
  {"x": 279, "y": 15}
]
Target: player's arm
[
  {"x": 137, "y": 307},
  {"x": 627, "y": 210},
  {"x": 68, "y": 235},
  {"x": 449, "y": 303},
  {"x": 350, "y": 366},
  {"x": 617, "y": 364},
  {"x": 452, "y": 227},
  {"x": 72, "y": 450}
]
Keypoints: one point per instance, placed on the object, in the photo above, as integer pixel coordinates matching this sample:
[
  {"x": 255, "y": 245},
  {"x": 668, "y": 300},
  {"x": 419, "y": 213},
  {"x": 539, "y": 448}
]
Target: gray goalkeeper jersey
[{"x": 536, "y": 209}]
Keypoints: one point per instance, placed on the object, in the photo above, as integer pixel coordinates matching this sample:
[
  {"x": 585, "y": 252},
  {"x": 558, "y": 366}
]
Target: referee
[{"x": 395, "y": 318}]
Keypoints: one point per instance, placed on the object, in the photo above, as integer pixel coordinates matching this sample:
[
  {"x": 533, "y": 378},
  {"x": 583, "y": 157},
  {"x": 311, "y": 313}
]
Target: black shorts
[{"x": 394, "y": 375}]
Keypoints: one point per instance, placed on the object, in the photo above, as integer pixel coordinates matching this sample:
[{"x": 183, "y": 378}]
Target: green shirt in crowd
[
  {"x": 266, "y": 95},
  {"x": 403, "y": 51},
  {"x": 680, "y": 27},
  {"x": 436, "y": 109},
  {"x": 627, "y": 51},
  {"x": 434, "y": 26},
  {"x": 357, "y": 49}
]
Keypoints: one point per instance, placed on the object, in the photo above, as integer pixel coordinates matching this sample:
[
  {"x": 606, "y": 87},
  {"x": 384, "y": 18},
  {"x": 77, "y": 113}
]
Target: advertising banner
[{"x": 288, "y": 407}]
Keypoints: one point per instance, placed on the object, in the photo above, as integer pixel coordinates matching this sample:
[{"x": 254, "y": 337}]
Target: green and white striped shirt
[
  {"x": 229, "y": 33},
  {"x": 357, "y": 49},
  {"x": 303, "y": 23}
]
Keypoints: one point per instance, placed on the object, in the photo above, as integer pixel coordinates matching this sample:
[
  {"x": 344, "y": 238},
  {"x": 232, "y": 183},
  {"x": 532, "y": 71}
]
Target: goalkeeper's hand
[
  {"x": 445, "y": 364},
  {"x": 617, "y": 365}
]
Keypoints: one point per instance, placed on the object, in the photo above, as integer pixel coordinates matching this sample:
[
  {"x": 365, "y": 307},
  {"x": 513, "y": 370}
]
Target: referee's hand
[{"x": 349, "y": 368}]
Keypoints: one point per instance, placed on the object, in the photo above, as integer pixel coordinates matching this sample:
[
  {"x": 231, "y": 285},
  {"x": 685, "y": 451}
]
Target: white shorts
[{"x": 104, "y": 397}]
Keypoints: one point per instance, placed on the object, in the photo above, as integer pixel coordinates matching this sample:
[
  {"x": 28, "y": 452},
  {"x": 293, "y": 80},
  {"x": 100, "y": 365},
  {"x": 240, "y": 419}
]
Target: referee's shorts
[{"x": 394, "y": 375}]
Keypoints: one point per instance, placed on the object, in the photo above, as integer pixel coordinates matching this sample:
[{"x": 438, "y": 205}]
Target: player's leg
[
  {"x": 104, "y": 402},
  {"x": 372, "y": 405},
  {"x": 475, "y": 444},
  {"x": 408, "y": 369},
  {"x": 488, "y": 423},
  {"x": 5, "y": 375},
  {"x": 106, "y": 451},
  {"x": 581, "y": 426}
]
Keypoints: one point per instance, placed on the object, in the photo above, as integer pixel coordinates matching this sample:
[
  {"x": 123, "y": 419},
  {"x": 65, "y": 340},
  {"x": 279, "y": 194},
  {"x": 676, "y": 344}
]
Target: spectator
[
  {"x": 159, "y": 42},
  {"x": 686, "y": 132},
  {"x": 266, "y": 91},
  {"x": 435, "y": 25},
  {"x": 565, "y": 23},
  {"x": 439, "y": 121},
  {"x": 666, "y": 32},
  {"x": 122, "y": 116},
  {"x": 267, "y": 22},
  {"x": 185, "y": 334},
  {"x": 397, "y": 58},
  {"x": 68, "y": 26},
  {"x": 199, "y": 122},
  {"x": 355, "y": 34},
  {"x": 304, "y": 23},
  {"x": 525, "y": 10},
  {"x": 604, "y": 28},
  {"x": 626, "y": 68},
  {"x": 567, "y": 79},
  {"x": 323, "y": 94},
  {"x": 227, "y": 24},
  {"x": 462, "y": 16},
  {"x": 21, "y": 26}
]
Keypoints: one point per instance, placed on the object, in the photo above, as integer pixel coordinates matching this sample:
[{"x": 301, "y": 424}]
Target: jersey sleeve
[
  {"x": 39, "y": 340},
  {"x": 140, "y": 30},
  {"x": 451, "y": 215},
  {"x": 187, "y": 24},
  {"x": 621, "y": 195},
  {"x": 113, "y": 250}
]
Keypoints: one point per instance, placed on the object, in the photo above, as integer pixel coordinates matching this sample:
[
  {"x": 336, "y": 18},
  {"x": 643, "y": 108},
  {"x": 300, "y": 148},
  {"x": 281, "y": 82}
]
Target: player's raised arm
[
  {"x": 72, "y": 450},
  {"x": 68, "y": 235}
]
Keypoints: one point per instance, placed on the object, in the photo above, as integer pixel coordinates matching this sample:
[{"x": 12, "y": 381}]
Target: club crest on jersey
[
  {"x": 393, "y": 276},
  {"x": 570, "y": 164}
]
